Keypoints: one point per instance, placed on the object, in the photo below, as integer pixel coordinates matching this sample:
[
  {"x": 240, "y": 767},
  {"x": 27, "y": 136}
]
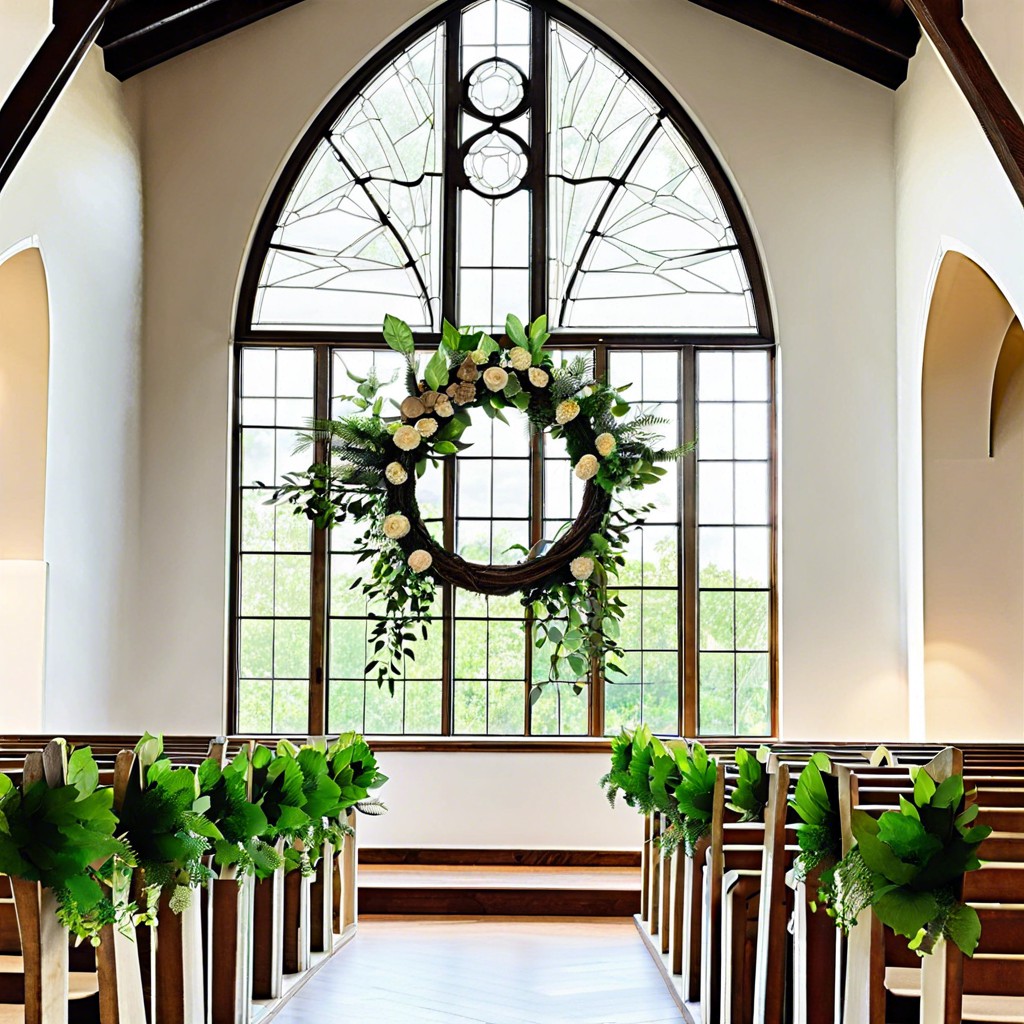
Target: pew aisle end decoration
[
  {"x": 367, "y": 466},
  {"x": 749, "y": 796},
  {"x": 667, "y": 776},
  {"x": 57, "y": 837},
  {"x": 907, "y": 865}
]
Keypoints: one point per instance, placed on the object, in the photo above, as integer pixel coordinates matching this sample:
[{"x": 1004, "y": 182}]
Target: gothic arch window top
[{"x": 500, "y": 156}]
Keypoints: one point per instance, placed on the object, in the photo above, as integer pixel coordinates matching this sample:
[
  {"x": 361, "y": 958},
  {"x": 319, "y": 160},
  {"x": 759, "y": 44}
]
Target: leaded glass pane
[
  {"x": 639, "y": 237},
  {"x": 360, "y": 234}
]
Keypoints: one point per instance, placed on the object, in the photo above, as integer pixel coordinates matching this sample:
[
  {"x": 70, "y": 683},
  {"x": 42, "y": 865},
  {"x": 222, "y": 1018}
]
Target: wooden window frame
[{"x": 325, "y": 342}]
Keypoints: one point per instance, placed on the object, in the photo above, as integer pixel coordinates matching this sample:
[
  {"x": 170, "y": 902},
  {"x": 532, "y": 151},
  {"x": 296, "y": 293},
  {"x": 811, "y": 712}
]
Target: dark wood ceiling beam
[
  {"x": 76, "y": 24},
  {"x": 847, "y": 48},
  {"x": 140, "y": 34},
  {"x": 942, "y": 21},
  {"x": 896, "y": 33}
]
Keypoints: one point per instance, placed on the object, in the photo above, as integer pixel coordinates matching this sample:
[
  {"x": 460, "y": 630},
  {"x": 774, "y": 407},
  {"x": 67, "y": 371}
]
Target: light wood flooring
[{"x": 487, "y": 971}]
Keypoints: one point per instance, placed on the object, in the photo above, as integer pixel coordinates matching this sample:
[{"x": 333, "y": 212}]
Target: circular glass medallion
[
  {"x": 495, "y": 88},
  {"x": 495, "y": 163}
]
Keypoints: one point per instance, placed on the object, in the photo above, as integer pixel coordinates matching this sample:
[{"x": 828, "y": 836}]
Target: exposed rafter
[
  {"x": 943, "y": 22},
  {"x": 869, "y": 37},
  {"x": 140, "y": 34},
  {"x": 76, "y": 23}
]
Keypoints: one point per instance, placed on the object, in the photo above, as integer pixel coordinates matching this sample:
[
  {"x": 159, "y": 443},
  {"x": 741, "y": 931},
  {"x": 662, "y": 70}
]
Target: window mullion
[
  {"x": 689, "y": 625},
  {"x": 318, "y": 569}
]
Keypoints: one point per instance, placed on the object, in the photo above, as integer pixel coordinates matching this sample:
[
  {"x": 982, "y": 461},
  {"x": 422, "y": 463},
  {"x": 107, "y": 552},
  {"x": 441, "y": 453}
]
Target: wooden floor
[{"x": 487, "y": 971}]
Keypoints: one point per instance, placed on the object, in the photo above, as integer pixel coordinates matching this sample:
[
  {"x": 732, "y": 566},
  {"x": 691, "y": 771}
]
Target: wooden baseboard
[
  {"x": 499, "y": 902},
  {"x": 502, "y": 858}
]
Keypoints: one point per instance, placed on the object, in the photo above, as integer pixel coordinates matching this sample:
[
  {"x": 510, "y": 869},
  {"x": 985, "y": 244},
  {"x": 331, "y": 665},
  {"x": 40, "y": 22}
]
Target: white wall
[
  {"x": 951, "y": 194},
  {"x": 77, "y": 191},
  {"x": 25, "y": 25},
  {"x": 810, "y": 146}
]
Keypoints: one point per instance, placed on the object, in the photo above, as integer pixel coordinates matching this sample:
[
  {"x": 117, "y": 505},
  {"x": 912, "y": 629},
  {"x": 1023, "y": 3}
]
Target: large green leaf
[
  {"x": 963, "y": 927},
  {"x": 906, "y": 837},
  {"x": 905, "y": 911},
  {"x": 398, "y": 335},
  {"x": 436, "y": 371}
]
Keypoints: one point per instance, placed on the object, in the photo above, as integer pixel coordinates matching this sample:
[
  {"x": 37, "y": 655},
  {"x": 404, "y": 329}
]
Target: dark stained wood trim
[
  {"x": 140, "y": 34},
  {"x": 507, "y": 902},
  {"x": 849, "y": 50},
  {"x": 942, "y": 21},
  {"x": 76, "y": 26},
  {"x": 895, "y": 33},
  {"x": 492, "y": 744},
  {"x": 502, "y": 858}
]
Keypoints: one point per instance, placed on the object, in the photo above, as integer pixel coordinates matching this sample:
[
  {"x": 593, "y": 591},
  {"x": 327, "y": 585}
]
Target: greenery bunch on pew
[
  {"x": 819, "y": 835},
  {"x": 163, "y": 820},
  {"x": 749, "y": 796},
  {"x": 907, "y": 866},
  {"x": 671, "y": 777},
  {"x": 56, "y": 836}
]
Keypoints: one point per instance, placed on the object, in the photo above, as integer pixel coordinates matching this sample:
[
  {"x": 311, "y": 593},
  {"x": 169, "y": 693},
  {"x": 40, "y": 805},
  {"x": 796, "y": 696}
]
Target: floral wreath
[{"x": 368, "y": 465}]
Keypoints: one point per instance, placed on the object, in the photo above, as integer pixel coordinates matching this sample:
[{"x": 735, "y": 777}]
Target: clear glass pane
[
  {"x": 255, "y": 705},
  {"x": 716, "y": 704},
  {"x": 291, "y": 706},
  {"x": 717, "y": 623},
  {"x": 752, "y": 621}
]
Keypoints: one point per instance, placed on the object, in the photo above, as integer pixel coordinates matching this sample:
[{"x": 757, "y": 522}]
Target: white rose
[
  {"x": 520, "y": 358},
  {"x": 396, "y": 526},
  {"x": 567, "y": 411},
  {"x": 407, "y": 438},
  {"x": 582, "y": 568},
  {"x": 396, "y": 473},
  {"x": 495, "y": 378},
  {"x": 586, "y": 467},
  {"x": 426, "y": 426},
  {"x": 479, "y": 357},
  {"x": 420, "y": 560},
  {"x": 443, "y": 407},
  {"x": 538, "y": 377},
  {"x": 605, "y": 444}
]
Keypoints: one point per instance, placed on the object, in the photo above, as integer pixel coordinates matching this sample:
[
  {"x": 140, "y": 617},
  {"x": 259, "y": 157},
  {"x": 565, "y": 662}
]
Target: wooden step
[{"x": 499, "y": 890}]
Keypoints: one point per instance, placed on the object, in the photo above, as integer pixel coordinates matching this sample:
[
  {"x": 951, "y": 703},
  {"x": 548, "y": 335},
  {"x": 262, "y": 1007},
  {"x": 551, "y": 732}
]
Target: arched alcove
[
  {"x": 24, "y": 384},
  {"x": 24, "y": 379},
  {"x": 973, "y": 463}
]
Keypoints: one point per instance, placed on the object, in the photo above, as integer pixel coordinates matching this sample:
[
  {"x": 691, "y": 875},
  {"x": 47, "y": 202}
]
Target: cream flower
[
  {"x": 396, "y": 526},
  {"x": 407, "y": 438},
  {"x": 479, "y": 356},
  {"x": 420, "y": 560},
  {"x": 520, "y": 358},
  {"x": 586, "y": 467},
  {"x": 396, "y": 473},
  {"x": 605, "y": 444},
  {"x": 495, "y": 378},
  {"x": 582, "y": 568},
  {"x": 567, "y": 411},
  {"x": 538, "y": 377},
  {"x": 443, "y": 406},
  {"x": 426, "y": 426}
]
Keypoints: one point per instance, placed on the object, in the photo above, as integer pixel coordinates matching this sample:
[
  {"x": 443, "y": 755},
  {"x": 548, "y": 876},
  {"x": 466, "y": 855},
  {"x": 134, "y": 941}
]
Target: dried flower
[
  {"x": 538, "y": 377},
  {"x": 495, "y": 378},
  {"x": 396, "y": 473},
  {"x": 567, "y": 411},
  {"x": 427, "y": 426},
  {"x": 407, "y": 438},
  {"x": 605, "y": 444},
  {"x": 479, "y": 356},
  {"x": 586, "y": 467},
  {"x": 420, "y": 560},
  {"x": 468, "y": 371},
  {"x": 443, "y": 406},
  {"x": 412, "y": 407},
  {"x": 429, "y": 400},
  {"x": 520, "y": 358},
  {"x": 396, "y": 526},
  {"x": 582, "y": 568},
  {"x": 462, "y": 394}
]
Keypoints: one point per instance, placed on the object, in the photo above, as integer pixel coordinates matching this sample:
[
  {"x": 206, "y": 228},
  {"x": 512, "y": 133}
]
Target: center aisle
[{"x": 487, "y": 971}]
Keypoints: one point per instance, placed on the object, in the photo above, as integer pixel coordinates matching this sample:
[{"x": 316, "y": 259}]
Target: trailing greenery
[
  {"x": 371, "y": 457},
  {"x": 749, "y": 796},
  {"x": 908, "y": 866},
  {"x": 353, "y": 767},
  {"x": 241, "y": 823},
  {"x": 56, "y": 836},
  {"x": 163, "y": 820}
]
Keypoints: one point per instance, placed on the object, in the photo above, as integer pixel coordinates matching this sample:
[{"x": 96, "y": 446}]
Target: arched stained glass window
[{"x": 506, "y": 156}]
